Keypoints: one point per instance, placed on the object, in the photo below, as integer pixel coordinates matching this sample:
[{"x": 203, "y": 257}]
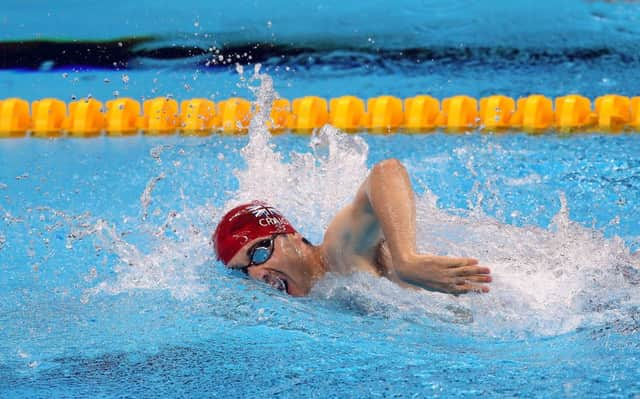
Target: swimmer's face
[{"x": 287, "y": 269}]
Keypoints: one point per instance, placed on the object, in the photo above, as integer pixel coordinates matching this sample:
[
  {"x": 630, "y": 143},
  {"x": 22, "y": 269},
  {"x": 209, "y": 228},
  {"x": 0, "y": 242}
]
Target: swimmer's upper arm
[
  {"x": 361, "y": 205},
  {"x": 349, "y": 220},
  {"x": 357, "y": 222}
]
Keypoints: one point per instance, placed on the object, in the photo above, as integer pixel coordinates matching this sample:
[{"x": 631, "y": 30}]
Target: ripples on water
[
  {"x": 136, "y": 273},
  {"x": 108, "y": 275}
]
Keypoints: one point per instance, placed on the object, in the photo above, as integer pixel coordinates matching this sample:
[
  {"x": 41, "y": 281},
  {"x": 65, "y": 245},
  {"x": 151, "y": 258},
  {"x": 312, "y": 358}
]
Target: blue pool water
[{"x": 108, "y": 285}]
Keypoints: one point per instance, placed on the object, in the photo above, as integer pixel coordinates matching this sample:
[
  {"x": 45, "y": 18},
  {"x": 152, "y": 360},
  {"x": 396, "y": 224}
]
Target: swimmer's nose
[
  {"x": 273, "y": 279},
  {"x": 257, "y": 272}
]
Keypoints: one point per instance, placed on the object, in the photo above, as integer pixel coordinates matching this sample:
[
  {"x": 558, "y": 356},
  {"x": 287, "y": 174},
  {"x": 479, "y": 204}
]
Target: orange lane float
[
  {"x": 197, "y": 116},
  {"x": 280, "y": 117},
  {"x": 85, "y": 118},
  {"x": 14, "y": 117},
  {"x": 496, "y": 112},
  {"x": 123, "y": 117},
  {"x": 160, "y": 116},
  {"x": 346, "y": 112},
  {"x": 421, "y": 113},
  {"x": 459, "y": 113},
  {"x": 235, "y": 115},
  {"x": 573, "y": 112},
  {"x": 635, "y": 113},
  {"x": 533, "y": 113},
  {"x": 613, "y": 112},
  {"x": 309, "y": 113},
  {"x": 384, "y": 114},
  {"x": 48, "y": 117}
]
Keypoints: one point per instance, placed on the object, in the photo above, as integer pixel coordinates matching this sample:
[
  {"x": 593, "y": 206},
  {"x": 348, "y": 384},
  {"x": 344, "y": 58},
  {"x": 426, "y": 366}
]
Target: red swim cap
[{"x": 245, "y": 223}]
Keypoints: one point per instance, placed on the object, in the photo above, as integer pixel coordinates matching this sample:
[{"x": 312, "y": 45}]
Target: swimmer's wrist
[
  {"x": 404, "y": 260},
  {"x": 406, "y": 267}
]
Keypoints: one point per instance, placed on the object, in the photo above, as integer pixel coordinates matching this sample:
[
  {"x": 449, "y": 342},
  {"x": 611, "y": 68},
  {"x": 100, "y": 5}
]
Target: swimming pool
[{"x": 108, "y": 286}]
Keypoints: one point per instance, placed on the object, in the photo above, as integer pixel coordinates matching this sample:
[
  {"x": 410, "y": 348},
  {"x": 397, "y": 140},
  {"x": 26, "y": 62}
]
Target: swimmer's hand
[{"x": 444, "y": 274}]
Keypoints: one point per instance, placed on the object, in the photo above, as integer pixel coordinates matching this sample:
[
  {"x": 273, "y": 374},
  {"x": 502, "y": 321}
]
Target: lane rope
[{"x": 89, "y": 117}]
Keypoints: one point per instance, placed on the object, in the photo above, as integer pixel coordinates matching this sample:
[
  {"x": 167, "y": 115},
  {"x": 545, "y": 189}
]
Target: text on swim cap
[{"x": 270, "y": 221}]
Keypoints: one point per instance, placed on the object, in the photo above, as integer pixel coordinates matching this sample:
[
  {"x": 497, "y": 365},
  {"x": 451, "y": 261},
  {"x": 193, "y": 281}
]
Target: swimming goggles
[{"x": 259, "y": 253}]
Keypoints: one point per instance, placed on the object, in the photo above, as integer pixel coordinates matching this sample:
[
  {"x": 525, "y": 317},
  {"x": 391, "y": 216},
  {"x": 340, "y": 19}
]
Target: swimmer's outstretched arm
[{"x": 388, "y": 194}]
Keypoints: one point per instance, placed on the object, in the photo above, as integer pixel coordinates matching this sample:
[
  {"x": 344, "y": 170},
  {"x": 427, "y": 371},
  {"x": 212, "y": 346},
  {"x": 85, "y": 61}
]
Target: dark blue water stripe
[{"x": 145, "y": 52}]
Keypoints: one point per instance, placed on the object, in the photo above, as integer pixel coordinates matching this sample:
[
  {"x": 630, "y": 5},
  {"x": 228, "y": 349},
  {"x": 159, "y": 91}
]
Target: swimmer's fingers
[
  {"x": 467, "y": 286},
  {"x": 478, "y": 278},
  {"x": 457, "y": 262},
  {"x": 472, "y": 283},
  {"x": 470, "y": 271}
]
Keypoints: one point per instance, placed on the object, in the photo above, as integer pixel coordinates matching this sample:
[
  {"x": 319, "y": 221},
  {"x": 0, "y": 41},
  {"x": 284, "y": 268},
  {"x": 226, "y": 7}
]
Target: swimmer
[{"x": 376, "y": 233}]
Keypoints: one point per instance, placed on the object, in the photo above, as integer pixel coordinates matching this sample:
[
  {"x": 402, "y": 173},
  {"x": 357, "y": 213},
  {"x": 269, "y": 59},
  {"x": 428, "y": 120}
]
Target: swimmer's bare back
[{"x": 376, "y": 233}]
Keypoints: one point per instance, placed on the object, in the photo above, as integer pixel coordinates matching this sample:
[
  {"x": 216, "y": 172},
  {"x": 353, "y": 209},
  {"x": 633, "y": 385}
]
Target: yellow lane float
[
  {"x": 123, "y": 117},
  {"x": 14, "y": 117},
  {"x": 85, "y": 118},
  {"x": 384, "y": 114},
  {"x": 235, "y": 115},
  {"x": 48, "y": 117}
]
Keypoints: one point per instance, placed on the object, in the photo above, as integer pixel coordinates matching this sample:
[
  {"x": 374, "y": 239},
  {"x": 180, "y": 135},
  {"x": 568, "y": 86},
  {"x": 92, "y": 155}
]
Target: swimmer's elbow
[{"x": 389, "y": 170}]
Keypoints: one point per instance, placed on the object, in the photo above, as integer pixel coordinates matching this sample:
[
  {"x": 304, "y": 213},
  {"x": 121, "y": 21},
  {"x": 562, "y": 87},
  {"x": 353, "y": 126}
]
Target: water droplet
[{"x": 93, "y": 273}]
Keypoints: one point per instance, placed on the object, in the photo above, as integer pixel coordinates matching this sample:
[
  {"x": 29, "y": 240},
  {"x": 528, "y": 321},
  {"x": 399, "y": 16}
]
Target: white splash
[
  {"x": 546, "y": 280},
  {"x": 312, "y": 185},
  {"x": 172, "y": 264},
  {"x": 533, "y": 178},
  {"x": 145, "y": 199}
]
